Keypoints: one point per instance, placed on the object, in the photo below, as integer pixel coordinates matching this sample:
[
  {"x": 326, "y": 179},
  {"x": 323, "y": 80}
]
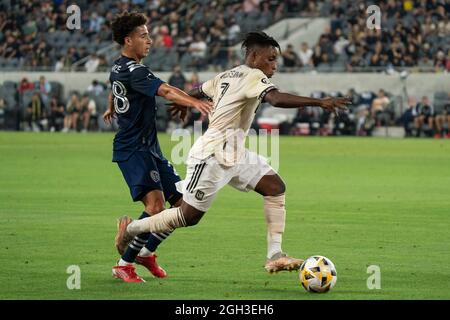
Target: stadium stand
[
  {"x": 204, "y": 36},
  {"x": 416, "y": 34}
]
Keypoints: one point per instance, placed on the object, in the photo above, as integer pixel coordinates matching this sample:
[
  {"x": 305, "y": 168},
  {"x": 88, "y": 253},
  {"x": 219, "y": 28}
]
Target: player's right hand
[{"x": 205, "y": 107}]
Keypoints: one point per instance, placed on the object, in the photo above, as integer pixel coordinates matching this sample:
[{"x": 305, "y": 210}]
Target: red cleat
[
  {"x": 126, "y": 273},
  {"x": 152, "y": 266}
]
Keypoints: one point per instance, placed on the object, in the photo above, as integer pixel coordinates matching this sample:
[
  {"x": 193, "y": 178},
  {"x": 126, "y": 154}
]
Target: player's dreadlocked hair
[
  {"x": 123, "y": 24},
  {"x": 258, "y": 38}
]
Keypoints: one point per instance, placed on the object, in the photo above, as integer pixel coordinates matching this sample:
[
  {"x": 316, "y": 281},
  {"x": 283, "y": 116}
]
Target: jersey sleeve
[
  {"x": 208, "y": 88},
  {"x": 258, "y": 85},
  {"x": 145, "y": 82}
]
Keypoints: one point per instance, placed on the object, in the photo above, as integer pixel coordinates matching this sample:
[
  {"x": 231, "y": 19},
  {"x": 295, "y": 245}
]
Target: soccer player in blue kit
[{"x": 149, "y": 175}]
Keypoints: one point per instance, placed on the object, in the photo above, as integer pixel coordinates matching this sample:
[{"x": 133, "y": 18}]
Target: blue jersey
[{"x": 134, "y": 88}]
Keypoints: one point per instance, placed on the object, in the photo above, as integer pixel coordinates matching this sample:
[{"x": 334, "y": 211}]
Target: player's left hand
[
  {"x": 335, "y": 104},
  {"x": 177, "y": 110},
  {"x": 109, "y": 115}
]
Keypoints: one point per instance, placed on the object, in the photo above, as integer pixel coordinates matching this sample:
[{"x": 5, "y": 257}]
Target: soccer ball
[{"x": 318, "y": 274}]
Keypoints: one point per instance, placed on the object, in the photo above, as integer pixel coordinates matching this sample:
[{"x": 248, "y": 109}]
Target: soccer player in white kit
[{"x": 219, "y": 157}]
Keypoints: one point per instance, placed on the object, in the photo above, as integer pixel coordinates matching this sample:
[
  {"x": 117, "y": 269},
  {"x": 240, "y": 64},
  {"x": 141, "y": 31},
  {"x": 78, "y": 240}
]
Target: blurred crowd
[
  {"x": 34, "y": 34},
  {"x": 43, "y": 106},
  {"x": 372, "y": 111},
  {"x": 199, "y": 34},
  {"x": 26, "y": 29},
  {"x": 414, "y": 33}
]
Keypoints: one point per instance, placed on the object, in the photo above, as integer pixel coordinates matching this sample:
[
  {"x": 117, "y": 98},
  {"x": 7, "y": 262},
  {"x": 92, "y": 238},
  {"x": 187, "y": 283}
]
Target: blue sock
[
  {"x": 136, "y": 244},
  {"x": 150, "y": 240},
  {"x": 155, "y": 239}
]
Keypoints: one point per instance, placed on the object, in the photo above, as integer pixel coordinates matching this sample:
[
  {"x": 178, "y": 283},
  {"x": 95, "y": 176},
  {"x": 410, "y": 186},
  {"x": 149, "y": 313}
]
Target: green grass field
[{"x": 358, "y": 201}]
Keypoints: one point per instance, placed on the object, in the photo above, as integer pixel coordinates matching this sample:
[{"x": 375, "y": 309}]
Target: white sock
[
  {"x": 275, "y": 213},
  {"x": 145, "y": 252},
  {"x": 123, "y": 263},
  {"x": 273, "y": 244},
  {"x": 165, "y": 221}
]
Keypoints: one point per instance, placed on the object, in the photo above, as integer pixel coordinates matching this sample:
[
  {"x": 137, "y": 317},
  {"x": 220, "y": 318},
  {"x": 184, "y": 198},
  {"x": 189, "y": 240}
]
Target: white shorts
[{"x": 204, "y": 178}]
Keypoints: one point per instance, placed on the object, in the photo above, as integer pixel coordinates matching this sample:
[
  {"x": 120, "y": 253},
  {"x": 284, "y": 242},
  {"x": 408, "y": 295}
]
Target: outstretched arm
[
  {"x": 182, "y": 111},
  {"x": 197, "y": 93},
  {"x": 181, "y": 98},
  {"x": 286, "y": 100}
]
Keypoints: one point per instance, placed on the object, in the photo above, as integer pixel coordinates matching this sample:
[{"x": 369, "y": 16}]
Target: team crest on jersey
[
  {"x": 199, "y": 195},
  {"x": 154, "y": 175}
]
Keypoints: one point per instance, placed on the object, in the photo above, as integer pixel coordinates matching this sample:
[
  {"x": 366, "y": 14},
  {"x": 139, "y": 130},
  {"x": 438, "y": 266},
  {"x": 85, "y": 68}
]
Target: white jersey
[{"x": 236, "y": 95}]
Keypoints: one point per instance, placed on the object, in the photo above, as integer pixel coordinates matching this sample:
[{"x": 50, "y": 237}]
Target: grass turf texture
[{"x": 358, "y": 201}]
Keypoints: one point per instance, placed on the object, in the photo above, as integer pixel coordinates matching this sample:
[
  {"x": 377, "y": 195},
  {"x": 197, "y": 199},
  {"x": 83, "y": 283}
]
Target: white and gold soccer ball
[{"x": 318, "y": 274}]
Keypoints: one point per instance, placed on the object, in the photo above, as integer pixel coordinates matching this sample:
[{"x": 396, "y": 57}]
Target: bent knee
[
  {"x": 279, "y": 189},
  {"x": 191, "y": 215},
  {"x": 276, "y": 189},
  {"x": 155, "y": 207},
  {"x": 282, "y": 188},
  {"x": 192, "y": 220}
]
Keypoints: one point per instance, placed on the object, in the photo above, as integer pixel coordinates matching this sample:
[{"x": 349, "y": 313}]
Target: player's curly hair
[
  {"x": 258, "y": 39},
  {"x": 124, "y": 24}
]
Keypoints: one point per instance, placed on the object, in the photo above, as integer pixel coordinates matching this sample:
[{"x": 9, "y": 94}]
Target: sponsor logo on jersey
[
  {"x": 199, "y": 195},
  {"x": 154, "y": 175}
]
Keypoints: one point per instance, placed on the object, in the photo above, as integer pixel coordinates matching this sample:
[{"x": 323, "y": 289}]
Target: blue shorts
[{"x": 144, "y": 172}]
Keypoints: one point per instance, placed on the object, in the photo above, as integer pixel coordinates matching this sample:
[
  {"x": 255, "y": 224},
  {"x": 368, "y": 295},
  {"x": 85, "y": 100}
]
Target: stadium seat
[
  {"x": 239, "y": 16},
  {"x": 101, "y": 101},
  {"x": 56, "y": 90},
  {"x": 162, "y": 116},
  {"x": 60, "y": 37},
  {"x": 186, "y": 62},
  {"x": 25, "y": 98},
  {"x": 441, "y": 95},
  {"x": 10, "y": 96},
  {"x": 338, "y": 67},
  {"x": 170, "y": 60},
  {"x": 325, "y": 9},
  {"x": 253, "y": 15},
  {"x": 324, "y": 67},
  {"x": 11, "y": 64},
  {"x": 264, "y": 20},
  {"x": 10, "y": 85},
  {"x": 2, "y": 110},
  {"x": 441, "y": 98},
  {"x": 2, "y": 119}
]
